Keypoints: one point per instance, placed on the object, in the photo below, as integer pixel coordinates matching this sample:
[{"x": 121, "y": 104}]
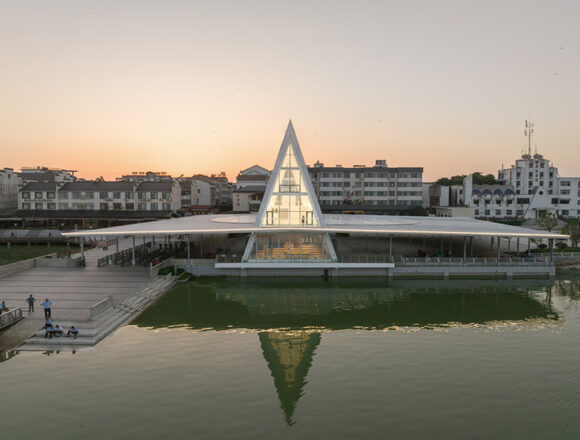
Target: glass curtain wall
[
  {"x": 290, "y": 247},
  {"x": 290, "y": 204}
]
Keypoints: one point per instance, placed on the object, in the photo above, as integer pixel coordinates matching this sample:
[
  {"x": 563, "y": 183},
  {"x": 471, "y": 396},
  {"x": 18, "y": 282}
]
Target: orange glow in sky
[{"x": 108, "y": 87}]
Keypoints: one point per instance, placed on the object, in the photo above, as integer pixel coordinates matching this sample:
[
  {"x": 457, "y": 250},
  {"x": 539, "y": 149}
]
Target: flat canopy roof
[{"x": 335, "y": 223}]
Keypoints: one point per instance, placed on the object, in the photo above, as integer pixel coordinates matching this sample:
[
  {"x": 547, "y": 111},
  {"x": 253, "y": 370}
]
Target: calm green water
[{"x": 287, "y": 359}]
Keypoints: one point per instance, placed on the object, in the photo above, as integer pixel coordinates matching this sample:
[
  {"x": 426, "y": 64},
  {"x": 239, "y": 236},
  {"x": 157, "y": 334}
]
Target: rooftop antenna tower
[{"x": 528, "y": 132}]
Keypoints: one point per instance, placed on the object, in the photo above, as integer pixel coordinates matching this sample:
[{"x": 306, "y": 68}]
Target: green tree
[
  {"x": 548, "y": 221},
  {"x": 418, "y": 211},
  {"x": 478, "y": 179},
  {"x": 572, "y": 229},
  {"x": 453, "y": 180}
]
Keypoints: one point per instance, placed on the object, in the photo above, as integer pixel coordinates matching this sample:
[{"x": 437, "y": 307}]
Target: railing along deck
[{"x": 10, "y": 317}]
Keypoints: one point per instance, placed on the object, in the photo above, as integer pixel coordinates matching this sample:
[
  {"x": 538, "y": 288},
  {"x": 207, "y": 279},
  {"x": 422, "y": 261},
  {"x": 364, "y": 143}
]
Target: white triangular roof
[{"x": 290, "y": 180}]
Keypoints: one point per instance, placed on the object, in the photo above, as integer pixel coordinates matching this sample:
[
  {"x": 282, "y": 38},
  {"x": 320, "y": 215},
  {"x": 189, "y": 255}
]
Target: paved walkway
[{"x": 72, "y": 290}]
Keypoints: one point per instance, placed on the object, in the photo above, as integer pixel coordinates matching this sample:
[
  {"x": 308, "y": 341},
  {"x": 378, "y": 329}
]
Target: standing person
[
  {"x": 3, "y": 307},
  {"x": 46, "y": 304},
  {"x": 30, "y": 300}
]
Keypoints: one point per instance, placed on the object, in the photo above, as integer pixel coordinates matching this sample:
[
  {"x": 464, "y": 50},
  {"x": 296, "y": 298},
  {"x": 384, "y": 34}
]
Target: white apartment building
[
  {"x": 531, "y": 187},
  {"x": 373, "y": 188},
  {"x": 100, "y": 196},
  {"x": 214, "y": 191},
  {"x": 249, "y": 189}
]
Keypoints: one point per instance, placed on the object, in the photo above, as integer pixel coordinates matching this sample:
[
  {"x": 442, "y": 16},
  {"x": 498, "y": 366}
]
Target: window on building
[
  {"x": 509, "y": 212},
  {"x": 565, "y": 183},
  {"x": 141, "y": 196},
  {"x": 63, "y": 205},
  {"x": 166, "y": 206},
  {"x": 51, "y": 205},
  {"x": 565, "y": 212},
  {"x": 25, "y": 195},
  {"x": 130, "y": 206},
  {"x": 486, "y": 212},
  {"x": 103, "y": 195},
  {"x": 117, "y": 206},
  {"x": 565, "y": 192},
  {"x": 498, "y": 212},
  {"x": 26, "y": 206},
  {"x": 141, "y": 206},
  {"x": 116, "y": 195},
  {"x": 153, "y": 195},
  {"x": 63, "y": 195},
  {"x": 89, "y": 195},
  {"x": 129, "y": 196},
  {"x": 77, "y": 195},
  {"x": 38, "y": 195},
  {"x": 520, "y": 212},
  {"x": 477, "y": 212},
  {"x": 165, "y": 195},
  {"x": 153, "y": 206},
  {"x": 38, "y": 206},
  {"x": 104, "y": 206},
  {"x": 50, "y": 195}
]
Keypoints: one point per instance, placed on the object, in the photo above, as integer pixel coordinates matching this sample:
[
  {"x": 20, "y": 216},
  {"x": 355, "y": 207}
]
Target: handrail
[{"x": 10, "y": 317}]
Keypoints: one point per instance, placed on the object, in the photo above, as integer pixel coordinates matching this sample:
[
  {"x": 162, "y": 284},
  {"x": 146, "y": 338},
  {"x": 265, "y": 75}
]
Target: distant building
[
  {"x": 9, "y": 183},
  {"x": 146, "y": 176},
  {"x": 249, "y": 189},
  {"x": 207, "y": 192},
  {"x": 100, "y": 196},
  {"x": 526, "y": 190},
  {"x": 379, "y": 189}
]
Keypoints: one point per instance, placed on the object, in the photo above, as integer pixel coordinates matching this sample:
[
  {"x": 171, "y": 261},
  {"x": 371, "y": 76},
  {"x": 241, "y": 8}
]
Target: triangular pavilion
[{"x": 289, "y": 214}]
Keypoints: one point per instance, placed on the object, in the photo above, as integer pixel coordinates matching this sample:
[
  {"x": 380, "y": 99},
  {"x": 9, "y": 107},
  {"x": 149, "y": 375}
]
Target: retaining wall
[{"x": 206, "y": 268}]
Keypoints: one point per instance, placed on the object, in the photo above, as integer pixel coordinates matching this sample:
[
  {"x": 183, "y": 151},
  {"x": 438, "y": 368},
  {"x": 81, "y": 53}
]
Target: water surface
[{"x": 316, "y": 359}]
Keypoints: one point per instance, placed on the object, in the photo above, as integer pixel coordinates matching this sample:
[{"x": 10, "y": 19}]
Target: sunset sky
[{"x": 187, "y": 87}]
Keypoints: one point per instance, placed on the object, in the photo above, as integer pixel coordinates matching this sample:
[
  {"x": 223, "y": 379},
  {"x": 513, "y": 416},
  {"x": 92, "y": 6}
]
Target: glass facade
[
  {"x": 291, "y": 246},
  {"x": 290, "y": 204}
]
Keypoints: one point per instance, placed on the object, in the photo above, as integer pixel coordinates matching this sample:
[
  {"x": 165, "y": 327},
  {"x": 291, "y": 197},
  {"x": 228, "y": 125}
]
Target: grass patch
[{"x": 19, "y": 252}]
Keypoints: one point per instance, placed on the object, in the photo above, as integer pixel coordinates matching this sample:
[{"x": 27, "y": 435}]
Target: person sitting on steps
[{"x": 73, "y": 331}]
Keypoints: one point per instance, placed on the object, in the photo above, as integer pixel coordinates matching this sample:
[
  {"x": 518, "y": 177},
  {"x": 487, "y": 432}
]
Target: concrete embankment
[{"x": 93, "y": 331}]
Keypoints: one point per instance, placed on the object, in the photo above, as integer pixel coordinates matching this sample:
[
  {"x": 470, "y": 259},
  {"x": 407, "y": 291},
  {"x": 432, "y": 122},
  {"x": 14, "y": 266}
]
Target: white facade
[
  {"x": 528, "y": 189},
  {"x": 100, "y": 196},
  {"x": 379, "y": 185},
  {"x": 249, "y": 190}
]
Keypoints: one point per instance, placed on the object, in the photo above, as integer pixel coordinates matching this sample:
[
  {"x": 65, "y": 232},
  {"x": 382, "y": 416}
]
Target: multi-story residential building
[
  {"x": 9, "y": 183},
  {"x": 100, "y": 196},
  {"x": 380, "y": 189},
  {"x": 249, "y": 189},
  {"x": 214, "y": 191},
  {"x": 531, "y": 187}
]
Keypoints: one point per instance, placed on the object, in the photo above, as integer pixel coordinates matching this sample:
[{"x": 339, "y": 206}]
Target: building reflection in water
[
  {"x": 289, "y": 356},
  {"x": 291, "y": 319}
]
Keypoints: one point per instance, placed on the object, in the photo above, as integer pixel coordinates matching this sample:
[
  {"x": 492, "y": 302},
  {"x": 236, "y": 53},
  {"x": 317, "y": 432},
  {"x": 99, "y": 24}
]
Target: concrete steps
[{"x": 92, "y": 332}]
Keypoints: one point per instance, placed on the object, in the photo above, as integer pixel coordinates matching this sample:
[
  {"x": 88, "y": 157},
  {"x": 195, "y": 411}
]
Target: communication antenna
[{"x": 528, "y": 132}]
